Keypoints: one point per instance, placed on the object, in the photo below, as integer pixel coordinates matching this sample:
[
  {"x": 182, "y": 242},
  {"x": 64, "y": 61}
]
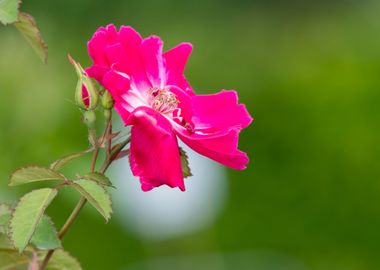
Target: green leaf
[
  {"x": 29, "y": 29},
  {"x": 185, "y": 163},
  {"x": 61, "y": 260},
  {"x": 97, "y": 177},
  {"x": 28, "y": 214},
  {"x": 12, "y": 260},
  {"x": 45, "y": 237},
  {"x": 96, "y": 195},
  {"x": 58, "y": 164},
  {"x": 9, "y": 11},
  {"x": 5, "y": 243},
  {"x": 33, "y": 174},
  {"x": 5, "y": 216}
]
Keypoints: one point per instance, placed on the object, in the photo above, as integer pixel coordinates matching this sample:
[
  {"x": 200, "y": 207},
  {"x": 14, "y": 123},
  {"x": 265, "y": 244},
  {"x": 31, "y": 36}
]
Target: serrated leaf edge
[
  {"x": 80, "y": 188},
  {"x": 10, "y": 211},
  {"x": 61, "y": 162},
  {"x": 39, "y": 219},
  {"x": 42, "y": 42},
  {"x": 18, "y": 13},
  {"x": 61, "y": 176},
  {"x": 87, "y": 177},
  {"x": 6, "y": 206},
  {"x": 55, "y": 231}
]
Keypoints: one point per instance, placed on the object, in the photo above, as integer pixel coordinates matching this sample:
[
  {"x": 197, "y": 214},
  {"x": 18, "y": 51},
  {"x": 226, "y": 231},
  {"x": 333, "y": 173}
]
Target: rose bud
[{"x": 86, "y": 95}]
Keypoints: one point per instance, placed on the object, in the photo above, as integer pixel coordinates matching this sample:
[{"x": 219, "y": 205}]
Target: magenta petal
[
  {"x": 117, "y": 83},
  {"x": 185, "y": 102},
  {"x": 96, "y": 47},
  {"x": 154, "y": 152},
  {"x": 85, "y": 96},
  {"x": 115, "y": 53},
  {"x": 97, "y": 72},
  {"x": 220, "y": 147},
  {"x": 216, "y": 123},
  {"x": 133, "y": 62},
  {"x": 151, "y": 51},
  {"x": 112, "y": 34},
  {"x": 219, "y": 111},
  {"x": 176, "y": 59}
]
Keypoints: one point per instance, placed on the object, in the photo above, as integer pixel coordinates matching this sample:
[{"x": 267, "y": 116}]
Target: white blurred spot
[{"x": 165, "y": 212}]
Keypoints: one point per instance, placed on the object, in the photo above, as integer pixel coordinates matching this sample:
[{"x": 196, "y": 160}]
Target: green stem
[
  {"x": 74, "y": 213},
  {"x": 64, "y": 229},
  {"x": 94, "y": 158},
  {"x": 72, "y": 217},
  {"x": 109, "y": 132},
  {"x": 113, "y": 155}
]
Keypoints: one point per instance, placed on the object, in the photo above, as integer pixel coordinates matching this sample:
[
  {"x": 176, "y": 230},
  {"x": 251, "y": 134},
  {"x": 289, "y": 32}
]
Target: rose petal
[
  {"x": 219, "y": 111},
  {"x": 154, "y": 152},
  {"x": 97, "y": 72},
  {"x": 220, "y": 147},
  {"x": 133, "y": 62},
  {"x": 117, "y": 84},
  {"x": 96, "y": 47},
  {"x": 151, "y": 51},
  {"x": 176, "y": 59},
  {"x": 215, "y": 126},
  {"x": 85, "y": 96}
]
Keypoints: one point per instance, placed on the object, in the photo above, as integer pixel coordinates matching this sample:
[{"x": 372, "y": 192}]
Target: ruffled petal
[
  {"x": 133, "y": 62},
  {"x": 96, "y": 47},
  {"x": 97, "y": 72},
  {"x": 151, "y": 51},
  {"x": 220, "y": 147},
  {"x": 185, "y": 102},
  {"x": 154, "y": 152},
  {"x": 117, "y": 84},
  {"x": 111, "y": 34},
  {"x": 216, "y": 121},
  {"x": 176, "y": 59},
  {"x": 219, "y": 111}
]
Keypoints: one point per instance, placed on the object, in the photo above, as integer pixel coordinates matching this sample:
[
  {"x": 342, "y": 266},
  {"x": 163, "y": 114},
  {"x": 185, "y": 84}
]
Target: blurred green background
[{"x": 309, "y": 74}]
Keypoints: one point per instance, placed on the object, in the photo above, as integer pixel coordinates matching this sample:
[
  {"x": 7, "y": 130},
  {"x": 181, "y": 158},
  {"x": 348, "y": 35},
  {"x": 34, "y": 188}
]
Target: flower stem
[
  {"x": 64, "y": 230},
  {"x": 72, "y": 217},
  {"x": 94, "y": 158},
  {"x": 74, "y": 214},
  {"x": 113, "y": 154},
  {"x": 109, "y": 131}
]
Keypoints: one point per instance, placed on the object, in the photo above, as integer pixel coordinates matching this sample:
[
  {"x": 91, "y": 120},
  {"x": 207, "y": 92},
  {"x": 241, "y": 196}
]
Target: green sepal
[
  {"x": 186, "y": 171},
  {"x": 87, "y": 82}
]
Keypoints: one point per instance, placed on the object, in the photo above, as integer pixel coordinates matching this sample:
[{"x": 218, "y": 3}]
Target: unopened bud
[
  {"x": 107, "y": 100},
  {"x": 86, "y": 95}
]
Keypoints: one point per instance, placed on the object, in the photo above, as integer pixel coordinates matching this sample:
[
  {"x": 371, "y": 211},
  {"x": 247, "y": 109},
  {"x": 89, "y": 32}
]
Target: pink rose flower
[{"x": 152, "y": 95}]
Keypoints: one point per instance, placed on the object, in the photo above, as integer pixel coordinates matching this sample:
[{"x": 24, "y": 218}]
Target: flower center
[{"x": 163, "y": 101}]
